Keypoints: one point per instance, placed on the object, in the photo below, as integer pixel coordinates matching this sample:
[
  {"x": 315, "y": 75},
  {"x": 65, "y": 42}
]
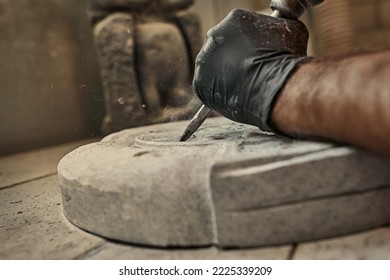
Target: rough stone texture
[
  {"x": 33, "y": 227},
  {"x": 371, "y": 245},
  {"x": 32, "y": 224},
  {"x": 146, "y": 51},
  {"x": 309, "y": 195},
  {"x": 303, "y": 221},
  {"x": 320, "y": 175},
  {"x": 368, "y": 245},
  {"x": 112, "y": 201},
  {"x": 115, "y": 48},
  {"x": 230, "y": 185}
]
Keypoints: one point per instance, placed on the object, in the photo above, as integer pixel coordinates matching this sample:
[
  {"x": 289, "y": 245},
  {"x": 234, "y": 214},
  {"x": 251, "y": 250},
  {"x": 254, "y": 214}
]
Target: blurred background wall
[
  {"x": 50, "y": 84},
  {"x": 343, "y": 26},
  {"x": 371, "y": 22},
  {"x": 336, "y": 26},
  {"x": 50, "y": 89}
]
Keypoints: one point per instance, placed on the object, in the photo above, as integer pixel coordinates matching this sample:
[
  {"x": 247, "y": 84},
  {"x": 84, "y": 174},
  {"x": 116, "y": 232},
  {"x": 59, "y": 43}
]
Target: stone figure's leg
[
  {"x": 188, "y": 25},
  {"x": 150, "y": 64},
  {"x": 163, "y": 66},
  {"x": 175, "y": 85},
  {"x": 114, "y": 39}
]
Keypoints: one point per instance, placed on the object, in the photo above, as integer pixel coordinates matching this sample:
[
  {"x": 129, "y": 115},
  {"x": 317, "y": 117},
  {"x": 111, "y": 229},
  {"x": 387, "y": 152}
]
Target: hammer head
[{"x": 293, "y": 9}]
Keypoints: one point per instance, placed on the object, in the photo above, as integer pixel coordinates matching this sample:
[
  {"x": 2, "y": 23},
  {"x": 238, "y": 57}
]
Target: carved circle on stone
[
  {"x": 230, "y": 185},
  {"x": 210, "y": 136}
]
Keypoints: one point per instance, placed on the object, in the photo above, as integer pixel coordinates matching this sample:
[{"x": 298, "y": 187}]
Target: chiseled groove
[
  {"x": 317, "y": 156},
  {"x": 340, "y": 195}
]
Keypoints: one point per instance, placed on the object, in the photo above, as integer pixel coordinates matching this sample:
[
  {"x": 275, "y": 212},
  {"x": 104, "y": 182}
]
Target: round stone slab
[{"x": 230, "y": 185}]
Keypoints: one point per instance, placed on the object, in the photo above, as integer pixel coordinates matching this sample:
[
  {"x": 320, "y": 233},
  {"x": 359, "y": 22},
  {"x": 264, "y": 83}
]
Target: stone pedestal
[{"x": 230, "y": 185}]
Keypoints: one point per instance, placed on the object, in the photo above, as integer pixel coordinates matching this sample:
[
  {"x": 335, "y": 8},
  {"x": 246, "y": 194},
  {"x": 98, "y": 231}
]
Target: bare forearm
[{"x": 346, "y": 100}]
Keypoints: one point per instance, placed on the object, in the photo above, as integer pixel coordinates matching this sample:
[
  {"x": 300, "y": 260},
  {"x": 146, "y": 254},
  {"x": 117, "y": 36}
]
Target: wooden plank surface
[
  {"x": 369, "y": 245},
  {"x": 32, "y": 225},
  {"x": 23, "y": 167},
  {"x": 112, "y": 251}
]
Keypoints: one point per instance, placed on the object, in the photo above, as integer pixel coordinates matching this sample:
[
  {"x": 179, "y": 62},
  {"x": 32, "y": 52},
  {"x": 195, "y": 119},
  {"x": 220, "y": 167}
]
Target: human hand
[{"x": 244, "y": 63}]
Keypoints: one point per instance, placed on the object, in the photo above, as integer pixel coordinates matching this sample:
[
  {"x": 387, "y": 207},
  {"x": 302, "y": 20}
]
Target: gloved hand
[{"x": 244, "y": 63}]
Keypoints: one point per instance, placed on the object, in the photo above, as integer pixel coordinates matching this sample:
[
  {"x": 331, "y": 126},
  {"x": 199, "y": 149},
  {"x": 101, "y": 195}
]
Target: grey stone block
[
  {"x": 136, "y": 195},
  {"x": 260, "y": 183},
  {"x": 304, "y": 220},
  {"x": 230, "y": 185}
]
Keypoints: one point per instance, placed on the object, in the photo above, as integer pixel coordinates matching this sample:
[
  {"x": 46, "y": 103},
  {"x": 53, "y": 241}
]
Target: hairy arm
[{"x": 345, "y": 100}]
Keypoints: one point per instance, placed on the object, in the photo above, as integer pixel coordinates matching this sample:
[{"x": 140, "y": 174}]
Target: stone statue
[{"x": 146, "y": 50}]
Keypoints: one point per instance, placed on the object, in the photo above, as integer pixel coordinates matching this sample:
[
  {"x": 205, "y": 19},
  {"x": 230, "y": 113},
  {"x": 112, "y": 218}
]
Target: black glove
[{"x": 244, "y": 63}]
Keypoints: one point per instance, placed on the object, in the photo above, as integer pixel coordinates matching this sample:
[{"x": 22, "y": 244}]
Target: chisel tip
[
  {"x": 195, "y": 123},
  {"x": 187, "y": 134}
]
